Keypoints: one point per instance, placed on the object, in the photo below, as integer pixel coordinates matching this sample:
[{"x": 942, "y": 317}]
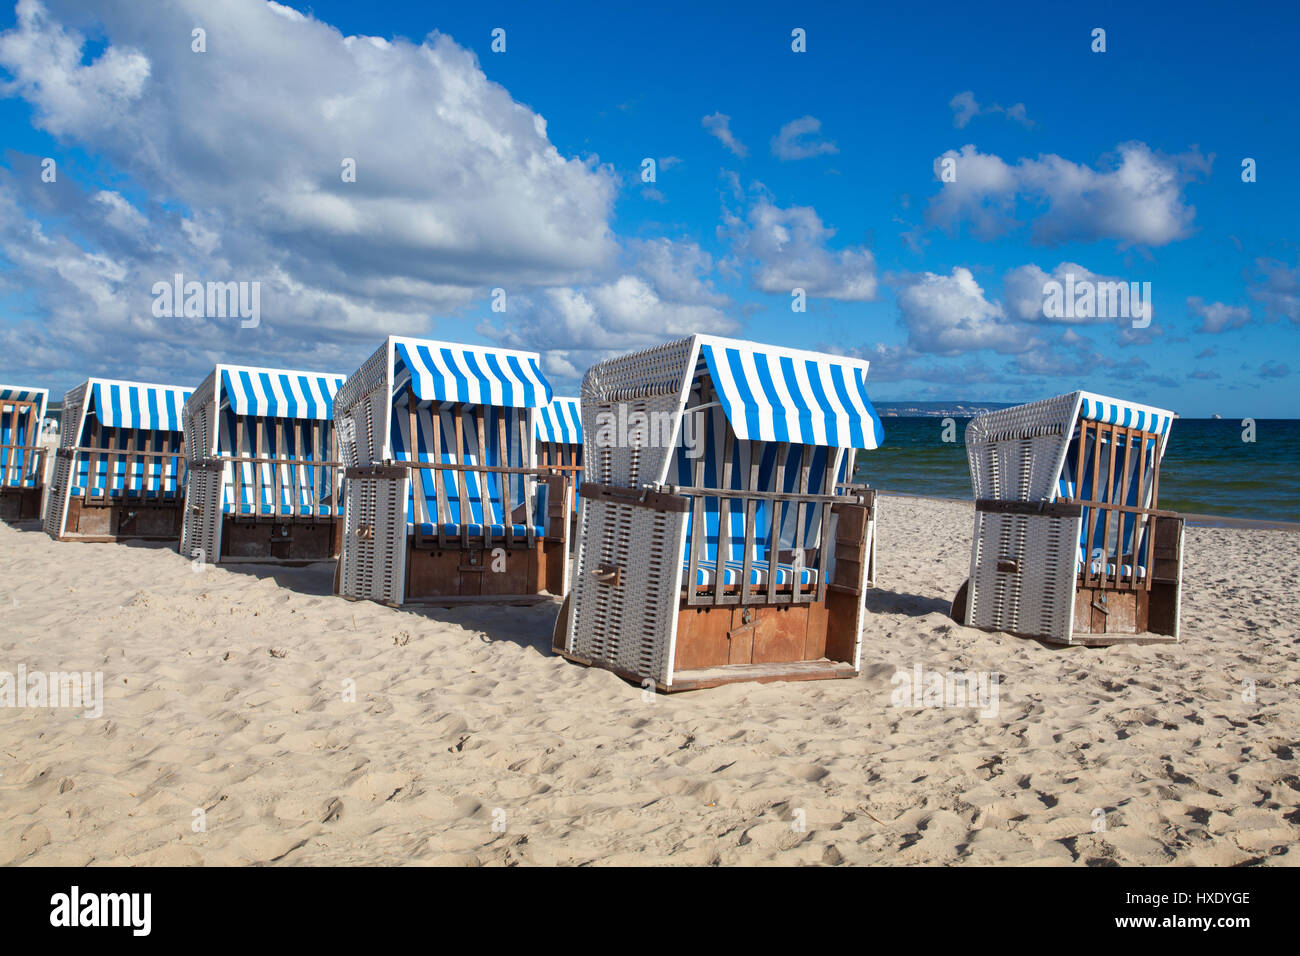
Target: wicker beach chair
[
  {"x": 719, "y": 537},
  {"x": 444, "y": 500},
  {"x": 1069, "y": 543},
  {"x": 22, "y": 459},
  {"x": 264, "y": 475},
  {"x": 559, "y": 445},
  {"x": 119, "y": 471}
]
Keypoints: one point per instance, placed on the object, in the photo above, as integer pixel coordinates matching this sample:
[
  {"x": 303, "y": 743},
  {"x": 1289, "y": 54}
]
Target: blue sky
[{"x": 1122, "y": 165}]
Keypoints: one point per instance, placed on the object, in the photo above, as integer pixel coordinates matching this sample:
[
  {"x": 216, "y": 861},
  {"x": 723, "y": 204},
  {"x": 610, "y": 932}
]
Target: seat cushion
[
  {"x": 474, "y": 530},
  {"x": 79, "y": 491},
  {"x": 284, "y": 511},
  {"x": 732, "y": 571},
  {"x": 1126, "y": 570}
]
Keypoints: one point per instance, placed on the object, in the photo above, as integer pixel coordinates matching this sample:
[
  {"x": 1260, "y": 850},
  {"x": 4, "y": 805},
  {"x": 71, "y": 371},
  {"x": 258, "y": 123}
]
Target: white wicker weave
[
  {"x": 56, "y": 509},
  {"x": 1024, "y": 567}
]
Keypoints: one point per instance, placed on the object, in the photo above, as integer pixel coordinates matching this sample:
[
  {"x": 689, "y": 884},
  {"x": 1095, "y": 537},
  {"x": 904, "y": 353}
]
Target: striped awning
[
  {"x": 132, "y": 405},
  {"x": 276, "y": 394},
  {"x": 1112, "y": 411},
  {"x": 20, "y": 393},
  {"x": 462, "y": 373},
  {"x": 811, "y": 398},
  {"x": 560, "y": 422}
]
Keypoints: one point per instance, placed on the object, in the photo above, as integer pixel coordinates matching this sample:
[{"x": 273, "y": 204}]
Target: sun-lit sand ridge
[{"x": 224, "y": 692}]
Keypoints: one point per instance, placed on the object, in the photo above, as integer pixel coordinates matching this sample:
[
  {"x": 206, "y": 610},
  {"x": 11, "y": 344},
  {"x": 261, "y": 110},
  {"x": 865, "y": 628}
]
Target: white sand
[{"x": 459, "y": 713}]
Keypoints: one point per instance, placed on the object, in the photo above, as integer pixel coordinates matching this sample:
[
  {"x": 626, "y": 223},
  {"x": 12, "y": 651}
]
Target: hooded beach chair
[
  {"x": 264, "y": 475},
  {"x": 119, "y": 472},
  {"x": 719, "y": 537},
  {"x": 1069, "y": 544},
  {"x": 445, "y": 501},
  {"x": 559, "y": 444},
  {"x": 22, "y": 459}
]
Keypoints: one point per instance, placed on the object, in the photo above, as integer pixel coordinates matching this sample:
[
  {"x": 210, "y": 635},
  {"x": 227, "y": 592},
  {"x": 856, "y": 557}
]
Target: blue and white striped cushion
[{"x": 758, "y": 574}]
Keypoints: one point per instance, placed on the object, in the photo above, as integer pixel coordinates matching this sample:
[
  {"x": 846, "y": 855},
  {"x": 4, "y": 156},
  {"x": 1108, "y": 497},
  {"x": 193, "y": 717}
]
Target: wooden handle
[{"x": 608, "y": 574}]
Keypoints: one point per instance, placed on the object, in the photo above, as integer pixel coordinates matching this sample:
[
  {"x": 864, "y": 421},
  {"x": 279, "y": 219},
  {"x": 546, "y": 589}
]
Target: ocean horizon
[{"x": 1208, "y": 468}]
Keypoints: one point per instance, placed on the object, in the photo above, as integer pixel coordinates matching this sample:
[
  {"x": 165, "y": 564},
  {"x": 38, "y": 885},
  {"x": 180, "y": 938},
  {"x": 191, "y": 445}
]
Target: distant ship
[{"x": 1216, "y": 416}]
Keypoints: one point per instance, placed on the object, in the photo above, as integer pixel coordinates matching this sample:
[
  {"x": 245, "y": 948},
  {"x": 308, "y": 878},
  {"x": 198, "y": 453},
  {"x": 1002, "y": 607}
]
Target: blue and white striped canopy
[
  {"x": 442, "y": 372},
  {"x": 1113, "y": 411},
  {"x": 560, "y": 422},
  {"x": 21, "y": 393},
  {"x": 280, "y": 394},
  {"x": 134, "y": 405},
  {"x": 774, "y": 394}
]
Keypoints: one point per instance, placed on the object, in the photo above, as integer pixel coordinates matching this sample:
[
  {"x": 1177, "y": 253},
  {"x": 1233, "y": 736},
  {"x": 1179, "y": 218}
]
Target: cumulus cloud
[
  {"x": 719, "y": 126},
  {"x": 965, "y": 108},
  {"x": 1135, "y": 198},
  {"x": 1022, "y": 291},
  {"x": 788, "y": 249},
  {"x": 239, "y": 152},
  {"x": 949, "y": 315},
  {"x": 798, "y": 139},
  {"x": 1216, "y": 316},
  {"x": 666, "y": 292}
]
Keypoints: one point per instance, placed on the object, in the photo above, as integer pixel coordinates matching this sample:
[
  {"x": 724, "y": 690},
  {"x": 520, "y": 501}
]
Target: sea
[{"x": 1211, "y": 466}]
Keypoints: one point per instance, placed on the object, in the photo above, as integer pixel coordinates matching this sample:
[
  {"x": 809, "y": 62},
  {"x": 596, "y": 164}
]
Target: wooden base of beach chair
[
  {"x": 296, "y": 541},
  {"x": 498, "y": 574},
  {"x": 20, "y": 504},
  {"x": 1105, "y": 616},
  {"x": 146, "y": 521},
  {"x": 767, "y": 634},
  {"x": 755, "y": 643}
]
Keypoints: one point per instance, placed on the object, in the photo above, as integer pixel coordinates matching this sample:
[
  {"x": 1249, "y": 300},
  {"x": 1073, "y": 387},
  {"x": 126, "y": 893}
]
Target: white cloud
[
  {"x": 798, "y": 140},
  {"x": 239, "y": 151},
  {"x": 1137, "y": 199},
  {"x": 1216, "y": 316},
  {"x": 1022, "y": 291},
  {"x": 965, "y": 108},
  {"x": 950, "y": 315},
  {"x": 788, "y": 249},
  {"x": 719, "y": 126}
]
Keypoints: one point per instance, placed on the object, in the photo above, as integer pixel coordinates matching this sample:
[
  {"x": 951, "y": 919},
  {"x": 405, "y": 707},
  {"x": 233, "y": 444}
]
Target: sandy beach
[{"x": 227, "y": 736}]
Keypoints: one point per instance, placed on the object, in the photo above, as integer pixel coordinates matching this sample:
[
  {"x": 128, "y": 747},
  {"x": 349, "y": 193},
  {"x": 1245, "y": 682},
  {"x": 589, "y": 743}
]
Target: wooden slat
[
  {"x": 259, "y": 471},
  {"x": 1127, "y": 473},
  {"x": 128, "y": 465},
  {"x": 1092, "y": 512},
  {"x": 751, "y": 483},
  {"x": 484, "y": 489},
  {"x": 238, "y": 467},
  {"x": 774, "y": 552},
  {"x": 724, "y": 519},
  {"x": 1155, "y": 501},
  {"x": 528, "y": 491},
  {"x": 698, "y": 534},
  {"x": 465, "y": 513},
  {"x": 441, "y": 506},
  {"x": 1105, "y": 513},
  {"x": 824, "y": 542},
  {"x": 421, "y": 506},
  {"x": 507, "y": 485},
  {"x": 92, "y": 465}
]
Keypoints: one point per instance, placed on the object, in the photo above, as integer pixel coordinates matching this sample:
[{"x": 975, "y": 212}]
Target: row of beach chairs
[{"x": 696, "y": 508}]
